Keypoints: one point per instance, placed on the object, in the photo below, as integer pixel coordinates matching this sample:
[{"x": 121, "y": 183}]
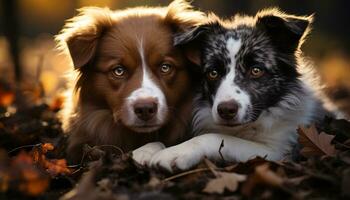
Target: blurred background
[{"x": 28, "y": 59}]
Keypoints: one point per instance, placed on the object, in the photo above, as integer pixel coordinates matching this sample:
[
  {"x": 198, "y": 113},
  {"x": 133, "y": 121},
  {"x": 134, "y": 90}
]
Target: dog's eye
[
  {"x": 119, "y": 71},
  {"x": 212, "y": 75},
  {"x": 165, "y": 68},
  {"x": 256, "y": 72}
]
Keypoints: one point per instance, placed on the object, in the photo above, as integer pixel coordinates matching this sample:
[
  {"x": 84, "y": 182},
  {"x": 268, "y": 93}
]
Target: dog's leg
[
  {"x": 212, "y": 146},
  {"x": 143, "y": 155}
]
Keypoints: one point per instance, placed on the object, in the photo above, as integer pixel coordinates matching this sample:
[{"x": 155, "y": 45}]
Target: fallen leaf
[
  {"x": 32, "y": 180},
  {"x": 268, "y": 176},
  {"x": 6, "y": 98},
  {"x": 154, "y": 182},
  {"x": 33, "y": 183},
  {"x": 47, "y": 147},
  {"x": 53, "y": 166},
  {"x": 315, "y": 144},
  {"x": 57, "y": 166},
  {"x": 224, "y": 181},
  {"x": 262, "y": 175},
  {"x": 249, "y": 166},
  {"x": 4, "y": 181}
]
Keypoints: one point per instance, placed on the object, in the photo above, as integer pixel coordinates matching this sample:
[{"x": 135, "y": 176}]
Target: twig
[
  {"x": 211, "y": 166},
  {"x": 25, "y": 146},
  {"x": 222, "y": 146},
  {"x": 77, "y": 170},
  {"x": 185, "y": 174}
]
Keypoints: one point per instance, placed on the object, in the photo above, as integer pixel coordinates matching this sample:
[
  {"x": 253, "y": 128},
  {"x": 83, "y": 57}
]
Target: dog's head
[
  {"x": 127, "y": 61},
  {"x": 249, "y": 63}
]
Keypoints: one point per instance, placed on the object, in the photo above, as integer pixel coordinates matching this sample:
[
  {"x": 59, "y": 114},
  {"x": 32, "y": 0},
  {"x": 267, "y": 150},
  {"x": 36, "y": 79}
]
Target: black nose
[
  {"x": 145, "y": 109},
  {"x": 228, "y": 110}
]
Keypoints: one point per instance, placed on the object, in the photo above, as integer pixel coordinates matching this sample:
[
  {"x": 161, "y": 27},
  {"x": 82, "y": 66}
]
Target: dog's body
[
  {"x": 257, "y": 90},
  {"x": 132, "y": 85}
]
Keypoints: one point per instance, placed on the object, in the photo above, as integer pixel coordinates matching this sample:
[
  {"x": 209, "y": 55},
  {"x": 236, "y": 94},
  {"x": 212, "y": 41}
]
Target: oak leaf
[
  {"x": 315, "y": 144},
  {"x": 224, "y": 180}
]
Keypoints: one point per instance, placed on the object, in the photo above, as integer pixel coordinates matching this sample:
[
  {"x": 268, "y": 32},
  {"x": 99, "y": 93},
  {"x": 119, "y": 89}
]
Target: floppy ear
[
  {"x": 82, "y": 49},
  {"x": 80, "y": 35},
  {"x": 182, "y": 18},
  {"x": 190, "y": 41},
  {"x": 191, "y": 35},
  {"x": 285, "y": 31}
]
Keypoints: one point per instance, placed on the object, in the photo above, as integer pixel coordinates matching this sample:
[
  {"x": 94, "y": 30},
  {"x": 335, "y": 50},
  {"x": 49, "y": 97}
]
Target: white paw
[
  {"x": 179, "y": 157},
  {"x": 143, "y": 155}
]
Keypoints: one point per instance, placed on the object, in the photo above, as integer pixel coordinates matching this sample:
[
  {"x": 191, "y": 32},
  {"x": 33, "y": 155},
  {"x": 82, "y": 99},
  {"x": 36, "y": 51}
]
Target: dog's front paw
[
  {"x": 179, "y": 157},
  {"x": 143, "y": 155}
]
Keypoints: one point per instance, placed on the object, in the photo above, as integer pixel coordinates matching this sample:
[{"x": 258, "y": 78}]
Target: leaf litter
[{"x": 33, "y": 165}]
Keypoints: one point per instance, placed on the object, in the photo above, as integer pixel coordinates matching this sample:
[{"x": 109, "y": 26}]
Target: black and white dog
[{"x": 257, "y": 89}]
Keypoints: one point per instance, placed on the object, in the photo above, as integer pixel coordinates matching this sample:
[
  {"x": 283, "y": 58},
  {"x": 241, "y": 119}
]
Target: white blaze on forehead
[
  {"x": 233, "y": 47},
  {"x": 228, "y": 90},
  {"x": 146, "y": 79},
  {"x": 148, "y": 89}
]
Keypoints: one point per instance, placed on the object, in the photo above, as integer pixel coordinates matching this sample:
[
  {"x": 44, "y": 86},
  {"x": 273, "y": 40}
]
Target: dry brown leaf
[
  {"x": 32, "y": 181},
  {"x": 268, "y": 176},
  {"x": 224, "y": 181},
  {"x": 262, "y": 175},
  {"x": 6, "y": 98},
  {"x": 315, "y": 144},
  {"x": 53, "y": 166},
  {"x": 57, "y": 166},
  {"x": 154, "y": 182},
  {"x": 47, "y": 147}
]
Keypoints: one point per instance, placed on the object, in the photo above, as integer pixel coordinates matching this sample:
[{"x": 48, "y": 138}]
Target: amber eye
[
  {"x": 119, "y": 71},
  {"x": 165, "y": 68},
  {"x": 212, "y": 75},
  {"x": 256, "y": 72}
]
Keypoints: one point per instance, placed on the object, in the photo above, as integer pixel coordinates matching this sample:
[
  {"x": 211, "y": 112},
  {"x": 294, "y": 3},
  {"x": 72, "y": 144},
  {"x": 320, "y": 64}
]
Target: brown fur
[{"x": 96, "y": 40}]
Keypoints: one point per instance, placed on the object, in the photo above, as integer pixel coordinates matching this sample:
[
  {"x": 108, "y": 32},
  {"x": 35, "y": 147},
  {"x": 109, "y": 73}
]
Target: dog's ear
[
  {"x": 287, "y": 32},
  {"x": 190, "y": 42},
  {"x": 191, "y": 35},
  {"x": 79, "y": 37},
  {"x": 193, "y": 39},
  {"x": 182, "y": 18},
  {"x": 82, "y": 49}
]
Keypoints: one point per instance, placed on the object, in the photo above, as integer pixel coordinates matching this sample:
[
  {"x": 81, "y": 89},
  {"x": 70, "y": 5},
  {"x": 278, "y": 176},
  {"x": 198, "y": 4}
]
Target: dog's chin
[
  {"x": 140, "y": 127},
  {"x": 229, "y": 123},
  {"x": 233, "y": 123},
  {"x": 144, "y": 128}
]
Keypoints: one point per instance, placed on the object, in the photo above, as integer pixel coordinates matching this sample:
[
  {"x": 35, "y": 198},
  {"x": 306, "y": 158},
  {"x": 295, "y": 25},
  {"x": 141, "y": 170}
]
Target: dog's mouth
[
  {"x": 232, "y": 123},
  {"x": 147, "y": 128}
]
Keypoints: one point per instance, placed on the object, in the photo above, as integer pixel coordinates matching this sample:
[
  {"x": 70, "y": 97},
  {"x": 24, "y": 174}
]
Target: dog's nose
[
  {"x": 145, "y": 109},
  {"x": 228, "y": 110}
]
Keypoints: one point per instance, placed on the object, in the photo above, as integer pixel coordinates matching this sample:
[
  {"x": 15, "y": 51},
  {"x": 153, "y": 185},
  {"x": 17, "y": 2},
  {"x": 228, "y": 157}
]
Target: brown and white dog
[{"x": 132, "y": 86}]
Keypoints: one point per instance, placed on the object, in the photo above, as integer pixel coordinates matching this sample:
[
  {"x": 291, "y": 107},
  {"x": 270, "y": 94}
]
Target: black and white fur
[{"x": 269, "y": 108}]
